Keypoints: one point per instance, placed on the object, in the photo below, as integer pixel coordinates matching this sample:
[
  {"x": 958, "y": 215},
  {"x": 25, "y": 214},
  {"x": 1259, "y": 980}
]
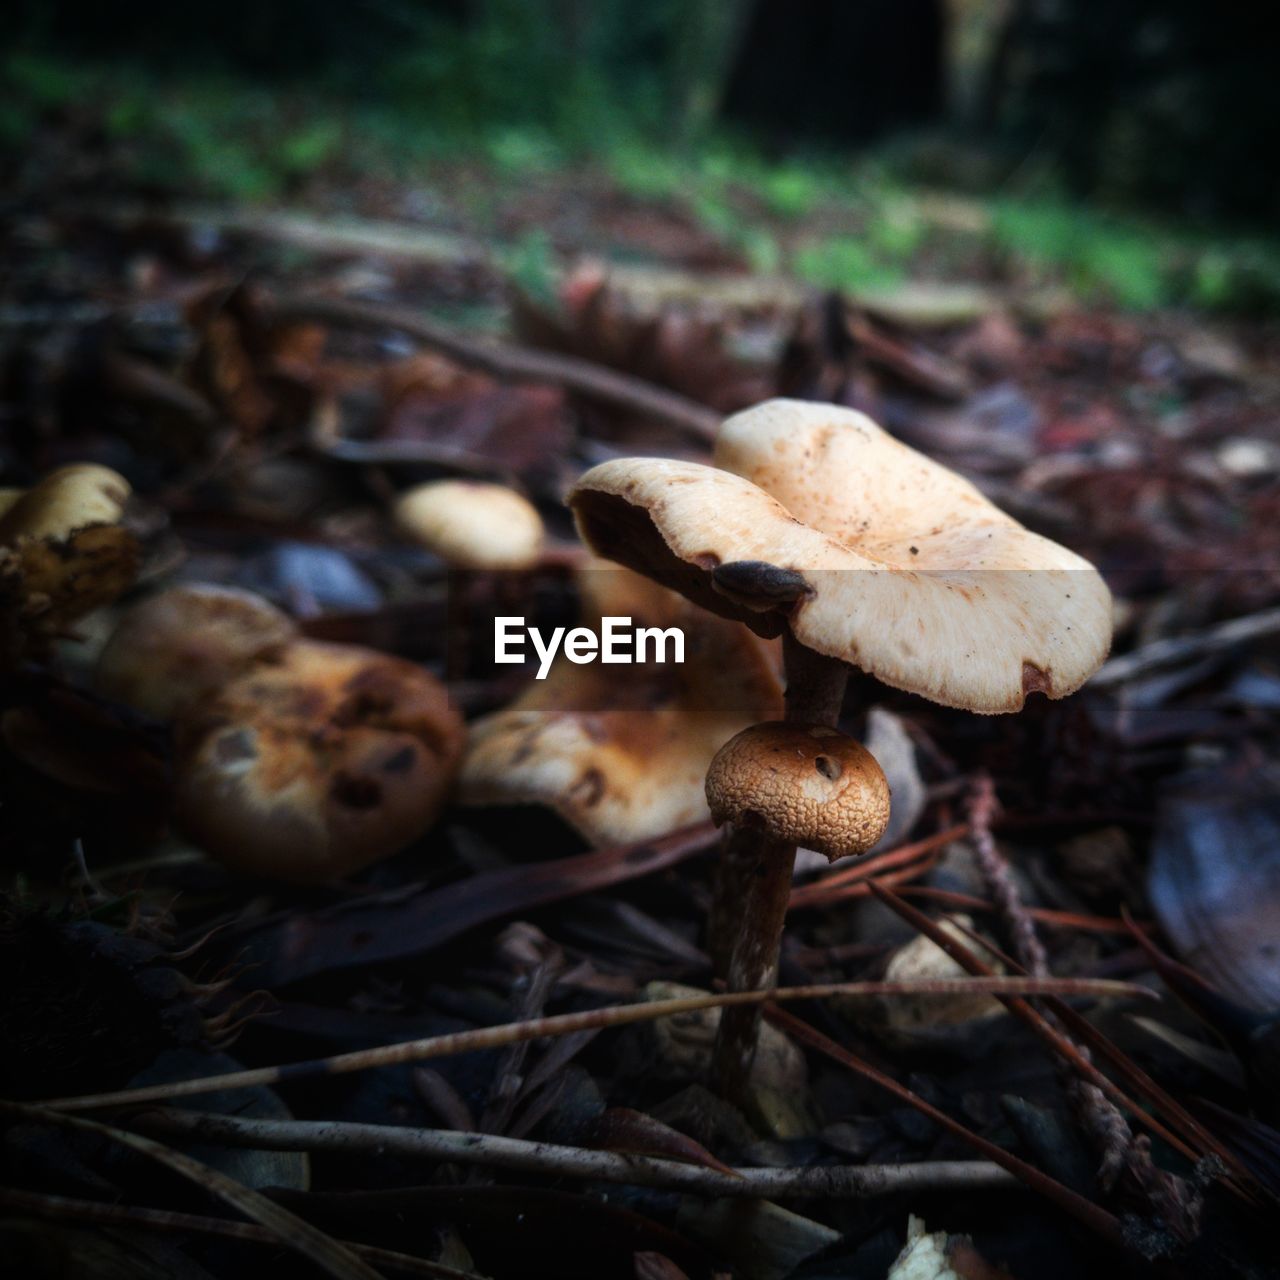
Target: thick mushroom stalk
[{"x": 778, "y": 786}]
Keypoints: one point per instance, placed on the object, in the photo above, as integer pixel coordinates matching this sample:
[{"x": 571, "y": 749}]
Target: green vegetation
[{"x": 863, "y": 224}]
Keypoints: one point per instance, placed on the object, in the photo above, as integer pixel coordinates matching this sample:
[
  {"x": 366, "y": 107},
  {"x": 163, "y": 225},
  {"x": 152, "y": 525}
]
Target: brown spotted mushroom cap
[
  {"x": 471, "y": 525},
  {"x": 317, "y": 764},
  {"x": 815, "y": 520},
  {"x": 621, "y": 752},
  {"x": 806, "y": 785},
  {"x": 173, "y": 649},
  {"x": 63, "y": 553}
]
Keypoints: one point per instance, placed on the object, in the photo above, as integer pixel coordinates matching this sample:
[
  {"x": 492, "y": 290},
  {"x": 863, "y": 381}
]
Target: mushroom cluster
[
  {"x": 64, "y": 552},
  {"x": 296, "y": 760},
  {"x": 816, "y": 525}
]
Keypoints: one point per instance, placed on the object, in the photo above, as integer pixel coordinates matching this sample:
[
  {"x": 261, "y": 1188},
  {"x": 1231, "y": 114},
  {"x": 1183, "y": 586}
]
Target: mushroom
[
  {"x": 63, "y": 553},
  {"x": 623, "y": 759},
  {"x": 818, "y": 526},
  {"x": 472, "y": 525},
  {"x": 807, "y": 785},
  {"x": 318, "y": 763},
  {"x": 173, "y": 649},
  {"x": 817, "y": 523}
]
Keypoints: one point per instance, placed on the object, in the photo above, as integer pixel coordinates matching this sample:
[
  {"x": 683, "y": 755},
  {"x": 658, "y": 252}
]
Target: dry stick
[
  {"x": 589, "y": 1020},
  {"x": 447, "y": 1145},
  {"x": 826, "y": 889},
  {"x": 287, "y": 1227},
  {"x": 1177, "y": 1202},
  {"x": 1092, "y": 1215},
  {"x": 1043, "y": 915},
  {"x": 1038, "y": 1023},
  {"x": 70, "y": 1209},
  {"x": 755, "y": 881},
  {"x": 505, "y": 360},
  {"x": 1163, "y": 653},
  {"x": 1164, "y": 1102}
]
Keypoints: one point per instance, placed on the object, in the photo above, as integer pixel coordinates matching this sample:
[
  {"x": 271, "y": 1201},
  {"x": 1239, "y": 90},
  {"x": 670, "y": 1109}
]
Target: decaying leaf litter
[{"x": 272, "y": 412}]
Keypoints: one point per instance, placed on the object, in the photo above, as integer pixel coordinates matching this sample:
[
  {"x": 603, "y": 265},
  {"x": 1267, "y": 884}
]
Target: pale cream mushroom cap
[
  {"x": 70, "y": 498},
  {"x": 63, "y": 553},
  {"x": 801, "y": 784},
  {"x": 472, "y": 525},
  {"x": 903, "y": 568},
  {"x": 171, "y": 650},
  {"x": 621, "y": 752}
]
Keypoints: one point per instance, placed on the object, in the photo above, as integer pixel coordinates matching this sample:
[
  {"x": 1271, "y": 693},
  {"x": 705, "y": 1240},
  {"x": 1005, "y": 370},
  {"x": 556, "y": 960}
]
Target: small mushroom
[
  {"x": 63, "y": 553},
  {"x": 623, "y": 758},
  {"x": 314, "y": 765},
  {"x": 816, "y": 525},
  {"x": 472, "y": 525},
  {"x": 175, "y": 648},
  {"x": 807, "y": 785}
]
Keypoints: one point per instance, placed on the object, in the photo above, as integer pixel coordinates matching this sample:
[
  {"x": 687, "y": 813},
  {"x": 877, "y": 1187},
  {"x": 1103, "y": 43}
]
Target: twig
[
  {"x": 70, "y": 1209},
  {"x": 1120, "y": 1150},
  {"x": 287, "y": 1227},
  {"x": 1164, "y": 653},
  {"x": 589, "y": 1020},
  {"x": 1053, "y": 1036},
  {"x": 447, "y": 1145},
  {"x": 505, "y": 360},
  {"x": 825, "y": 889},
  {"x": 1042, "y": 915},
  {"x": 1084, "y": 1210}
]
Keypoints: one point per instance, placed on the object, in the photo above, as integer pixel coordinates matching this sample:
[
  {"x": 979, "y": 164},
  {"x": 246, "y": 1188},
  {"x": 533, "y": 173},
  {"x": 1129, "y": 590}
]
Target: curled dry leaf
[
  {"x": 939, "y": 1256},
  {"x": 63, "y": 553},
  {"x": 908, "y": 1019},
  {"x": 1214, "y": 883}
]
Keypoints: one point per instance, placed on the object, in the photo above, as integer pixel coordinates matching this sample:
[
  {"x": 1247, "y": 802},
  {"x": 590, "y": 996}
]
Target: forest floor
[{"x": 271, "y": 367}]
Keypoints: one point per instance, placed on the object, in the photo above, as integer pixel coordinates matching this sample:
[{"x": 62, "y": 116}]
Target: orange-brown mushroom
[
  {"x": 312, "y": 766},
  {"x": 172, "y": 650},
  {"x": 623, "y": 757}
]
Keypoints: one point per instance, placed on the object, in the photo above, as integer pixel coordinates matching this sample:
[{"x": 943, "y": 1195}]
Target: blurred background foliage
[{"x": 1125, "y": 148}]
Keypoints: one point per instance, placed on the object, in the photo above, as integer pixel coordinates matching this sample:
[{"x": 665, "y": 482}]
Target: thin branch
[
  {"x": 1084, "y": 1210},
  {"x": 1064, "y": 1046},
  {"x": 588, "y": 1020},
  {"x": 824, "y": 889},
  {"x": 1163, "y": 653},
  {"x": 505, "y": 360},
  {"x": 517, "y": 1155}
]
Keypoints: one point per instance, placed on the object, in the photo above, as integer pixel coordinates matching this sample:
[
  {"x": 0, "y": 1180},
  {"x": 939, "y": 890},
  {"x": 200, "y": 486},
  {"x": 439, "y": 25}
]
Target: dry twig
[{"x": 493, "y": 1150}]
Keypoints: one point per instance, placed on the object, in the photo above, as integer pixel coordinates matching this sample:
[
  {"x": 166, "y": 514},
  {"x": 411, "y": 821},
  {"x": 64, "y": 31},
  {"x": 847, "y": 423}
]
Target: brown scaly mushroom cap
[
  {"x": 816, "y": 520},
  {"x": 806, "y": 785},
  {"x": 623, "y": 758},
  {"x": 471, "y": 525},
  {"x": 173, "y": 649},
  {"x": 318, "y": 764},
  {"x": 63, "y": 553}
]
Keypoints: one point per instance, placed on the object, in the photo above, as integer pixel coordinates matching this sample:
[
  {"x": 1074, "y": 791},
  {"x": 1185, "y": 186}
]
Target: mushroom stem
[{"x": 753, "y": 882}]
